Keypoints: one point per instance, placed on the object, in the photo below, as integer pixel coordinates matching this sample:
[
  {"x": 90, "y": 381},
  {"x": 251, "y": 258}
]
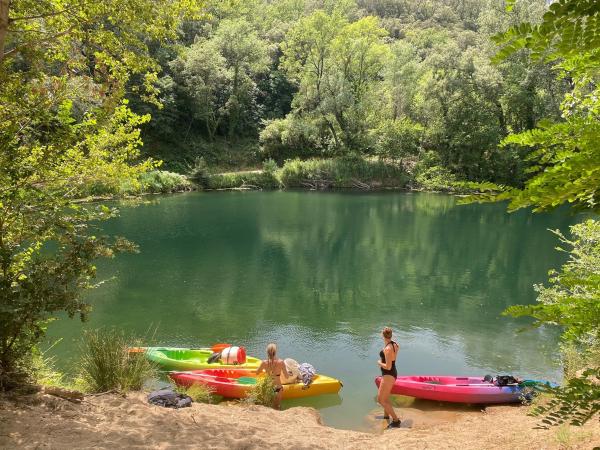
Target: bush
[
  {"x": 43, "y": 370},
  {"x": 262, "y": 393},
  {"x": 161, "y": 181},
  {"x": 198, "y": 392},
  {"x": 270, "y": 166},
  {"x": 290, "y": 137},
  {"x": 432, "y": 177},
  {"x": 342, "y": 173},
  {"x": 106, "y": 364},
  {"x": 155, "y": 181},
  {"x": 199, "y": 172},
  {"x": 397, "y": 139}
]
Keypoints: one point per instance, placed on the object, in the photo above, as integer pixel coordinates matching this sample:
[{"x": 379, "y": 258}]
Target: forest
[
  {"x": 409, "y": 82},
  {"x": 104, "y": 100}
]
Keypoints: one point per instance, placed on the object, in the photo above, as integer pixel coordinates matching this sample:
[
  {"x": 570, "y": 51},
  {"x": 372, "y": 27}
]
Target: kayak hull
[
  {"x": 455, "y": 389},
  {"x": 225, "y": 383},
  {"x": 171, "y": 358}
]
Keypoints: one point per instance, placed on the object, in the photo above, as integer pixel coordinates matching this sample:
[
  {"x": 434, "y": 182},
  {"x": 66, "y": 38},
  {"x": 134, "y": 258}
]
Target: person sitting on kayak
[
  {"x": 387, "y": 363},
  {"x": 273, "y": 367}
]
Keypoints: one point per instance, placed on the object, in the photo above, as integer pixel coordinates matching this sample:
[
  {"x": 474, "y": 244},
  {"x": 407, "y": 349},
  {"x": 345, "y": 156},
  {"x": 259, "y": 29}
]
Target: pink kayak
[{"x": 456, "y": 389}]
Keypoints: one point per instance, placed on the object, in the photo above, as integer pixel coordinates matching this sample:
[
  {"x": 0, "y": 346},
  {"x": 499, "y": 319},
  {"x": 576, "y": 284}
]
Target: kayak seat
[{"x": 246, "y": 380}]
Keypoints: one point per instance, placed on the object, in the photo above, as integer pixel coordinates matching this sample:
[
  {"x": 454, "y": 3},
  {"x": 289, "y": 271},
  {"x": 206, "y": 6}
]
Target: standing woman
[
  {"x": 273, "y": 367},
  {"x": 387, "y": 363}
]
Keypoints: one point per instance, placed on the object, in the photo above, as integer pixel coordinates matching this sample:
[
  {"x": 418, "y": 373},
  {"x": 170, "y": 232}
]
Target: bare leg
[
  {"x": 383, "y": 397},
  {"x": 277, "y": 401}
]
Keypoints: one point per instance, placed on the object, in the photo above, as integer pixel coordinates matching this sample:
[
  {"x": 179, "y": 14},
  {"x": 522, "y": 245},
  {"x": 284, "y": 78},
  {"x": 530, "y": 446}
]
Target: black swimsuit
[{"x": 392, "y": 370}]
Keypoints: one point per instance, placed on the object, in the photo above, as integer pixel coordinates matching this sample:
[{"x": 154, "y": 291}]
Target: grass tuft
[
  {"x": 106, "y": 364},
  {"x": 262, "y": 393},
  {"x": 198, "y": 392}
]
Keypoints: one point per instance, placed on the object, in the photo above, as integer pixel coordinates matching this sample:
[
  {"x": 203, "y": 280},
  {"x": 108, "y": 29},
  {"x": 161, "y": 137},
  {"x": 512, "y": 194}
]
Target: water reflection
[{"x": 320, "y": 273}]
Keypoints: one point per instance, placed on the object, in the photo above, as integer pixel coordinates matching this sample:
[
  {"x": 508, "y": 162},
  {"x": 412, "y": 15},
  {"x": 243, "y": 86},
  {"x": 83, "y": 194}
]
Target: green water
[{"x": 321, "y": 273}]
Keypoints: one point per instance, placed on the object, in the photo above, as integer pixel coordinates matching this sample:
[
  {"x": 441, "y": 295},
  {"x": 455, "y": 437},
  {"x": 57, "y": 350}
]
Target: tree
[
  {"x": 245, "y": 55},
  {"x": 565, "y": 154},
  {"x": 336, "y": 65},
  {"x": 566, "y": 169},
  {"x": 65, "y": 132},
  {"x": 207, "y": 82}
]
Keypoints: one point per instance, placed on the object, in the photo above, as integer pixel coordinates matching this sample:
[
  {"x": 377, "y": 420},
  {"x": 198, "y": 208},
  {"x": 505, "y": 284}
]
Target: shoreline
[{"x": 128, "y": 421}]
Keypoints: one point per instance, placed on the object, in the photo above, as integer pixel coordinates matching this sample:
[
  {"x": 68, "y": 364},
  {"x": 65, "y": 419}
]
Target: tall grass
[
  {"x": 106, "y": 364},
  {"x": 153, "y": 182},
  {"x": 262, "y": 393},
  {"x": 342, "y": 173},
  {"x": 250, "y": 180}
]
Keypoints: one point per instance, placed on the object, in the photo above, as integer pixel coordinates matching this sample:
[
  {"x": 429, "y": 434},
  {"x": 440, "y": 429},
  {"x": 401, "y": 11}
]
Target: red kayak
[{"x": 456, "y": 389}]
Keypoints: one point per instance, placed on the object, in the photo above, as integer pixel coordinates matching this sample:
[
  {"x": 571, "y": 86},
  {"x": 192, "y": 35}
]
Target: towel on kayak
[
  {"x": 169, "y": 399},
  {"x": 291, "y": 374},
  {"x": 307, "y": 373}
]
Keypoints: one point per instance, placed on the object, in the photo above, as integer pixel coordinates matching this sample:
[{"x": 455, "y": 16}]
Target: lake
[{"x": 320, "y": 273}]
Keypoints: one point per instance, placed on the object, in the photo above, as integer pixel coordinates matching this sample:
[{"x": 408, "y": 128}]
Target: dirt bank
[{"x": 115, "y": 422}]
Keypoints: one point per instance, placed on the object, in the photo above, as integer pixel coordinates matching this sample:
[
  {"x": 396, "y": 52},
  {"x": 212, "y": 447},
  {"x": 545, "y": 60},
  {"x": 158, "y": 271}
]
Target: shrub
[
  {"x": 43, "y": 370},
  {"x": 161, "y": 181},
  {"x": 290, "y": 137},
  {"x": 262, "y": 393},
  {"x": 198, "y": 392},
  {"x": 199, "y": 173},
  {"x": 106, "y": 364},
  {"x": 397, "y": 139},
  {"x": 270, "y": 166}
]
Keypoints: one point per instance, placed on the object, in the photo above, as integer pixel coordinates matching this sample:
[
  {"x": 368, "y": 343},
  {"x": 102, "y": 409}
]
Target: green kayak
[{"x": 192, "y": 359}]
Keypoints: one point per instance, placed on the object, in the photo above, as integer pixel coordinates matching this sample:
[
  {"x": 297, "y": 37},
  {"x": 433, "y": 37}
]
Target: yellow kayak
[{"x": 237, "y": 383}]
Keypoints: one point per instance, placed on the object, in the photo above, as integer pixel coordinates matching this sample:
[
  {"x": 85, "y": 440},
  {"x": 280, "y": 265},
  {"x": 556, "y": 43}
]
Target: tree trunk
[{"x": 4, "y": 7}]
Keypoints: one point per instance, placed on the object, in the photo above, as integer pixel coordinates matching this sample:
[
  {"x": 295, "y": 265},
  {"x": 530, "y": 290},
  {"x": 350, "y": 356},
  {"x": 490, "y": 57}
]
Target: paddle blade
[{"x": 219, "y": 347}]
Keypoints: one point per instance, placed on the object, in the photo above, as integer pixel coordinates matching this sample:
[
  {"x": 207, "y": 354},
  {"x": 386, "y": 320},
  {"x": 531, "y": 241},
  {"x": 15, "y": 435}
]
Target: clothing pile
[
  {"x": 169, "y": 399},
  {"x": 295, "y": 372},
  {"x": 307, "y": 373}
]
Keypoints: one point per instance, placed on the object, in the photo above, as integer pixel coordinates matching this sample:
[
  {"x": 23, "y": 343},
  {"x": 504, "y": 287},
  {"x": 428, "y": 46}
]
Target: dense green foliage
[
  {"x": 566, "y": 169},
  {"x": 105, "y": 364},
  {"x": 66, "y": 130},
  {"x": 566, "y": 154},
  {"x": 313, "y": 78},
  {"x": 342, "y": 173}
]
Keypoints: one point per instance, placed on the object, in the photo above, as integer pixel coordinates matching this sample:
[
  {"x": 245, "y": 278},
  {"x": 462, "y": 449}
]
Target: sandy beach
[{"x": 114, "y": 421}]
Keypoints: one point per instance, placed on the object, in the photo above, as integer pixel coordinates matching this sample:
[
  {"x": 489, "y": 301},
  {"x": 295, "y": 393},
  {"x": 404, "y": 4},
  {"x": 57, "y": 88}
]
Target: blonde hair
[
  {"x": 387, "y": 332},
  {"x": 271, "y": 351}
]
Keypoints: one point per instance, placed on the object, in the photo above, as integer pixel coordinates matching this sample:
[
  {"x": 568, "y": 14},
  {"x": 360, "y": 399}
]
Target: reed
[{"x": 105, "y": 363}]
